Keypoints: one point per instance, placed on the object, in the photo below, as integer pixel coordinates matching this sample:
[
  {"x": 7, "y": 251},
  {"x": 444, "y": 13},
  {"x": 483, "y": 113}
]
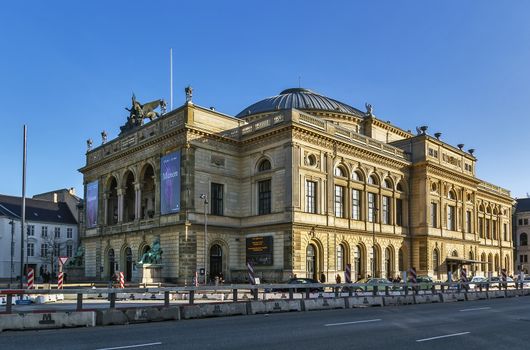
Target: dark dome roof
[{"x": 299, "y": 98}]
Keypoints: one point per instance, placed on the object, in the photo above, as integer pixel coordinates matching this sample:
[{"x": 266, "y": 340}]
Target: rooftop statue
[
  {"x": 138, "y": 112},
  {"x": 78, "y": 258}
]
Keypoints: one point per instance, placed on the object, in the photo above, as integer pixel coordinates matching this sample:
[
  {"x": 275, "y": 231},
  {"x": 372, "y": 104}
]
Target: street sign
[{"x": 62, "y": 260}]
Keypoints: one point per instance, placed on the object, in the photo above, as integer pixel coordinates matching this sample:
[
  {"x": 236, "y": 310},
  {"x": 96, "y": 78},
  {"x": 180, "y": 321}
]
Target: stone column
[
  {"x": 105, "y": 208},
  {"x": 137, "y": 201},
  {"x": 120, "y": 192}
]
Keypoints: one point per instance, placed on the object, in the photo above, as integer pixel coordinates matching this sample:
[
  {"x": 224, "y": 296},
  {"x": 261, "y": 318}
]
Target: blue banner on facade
[
  {"x": 170, "y": 183},
  {"x": 92, "y": 204}
]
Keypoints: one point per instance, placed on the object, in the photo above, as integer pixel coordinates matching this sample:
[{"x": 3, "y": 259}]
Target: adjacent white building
[{"x": 51, "y": 231}]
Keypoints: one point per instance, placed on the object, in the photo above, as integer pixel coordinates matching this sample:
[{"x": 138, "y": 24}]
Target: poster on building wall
[
  {"x": 259, "y": 250},
  {"x": 92, "y": 204},
  {"x": 170, "y": 183}
]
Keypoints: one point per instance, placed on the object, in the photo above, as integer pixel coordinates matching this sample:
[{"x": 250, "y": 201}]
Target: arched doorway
[
  {"x": 389, "y": 263},
  {"x": 128, "y": 264},
  {"x": 216, "y": 261},
  {"x": 311, "y": 262},
  {"x": 111, "y": 259},
  {"x": 358, "y": 260}
]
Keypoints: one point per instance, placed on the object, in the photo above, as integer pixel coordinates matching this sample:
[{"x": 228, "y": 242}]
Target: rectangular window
[
  {"x": 69, "y": 232},
  {"x": 505, "y": 231},
  {"x": 371, "y": 207},
  {"x": 488, "y": 233},
  {"x": 69, "y": 250},
  {"x": 356, "y": 205},
  {"x": 217, "y": 199},
  {"x": 264, "y": 197},
  {"x": 494, "y": 229},
  {"x": 399, "y": 212},
  {"x": 44, "y": 231},
  {"x": 30, "y": 230},
  {"x": 481, "y": 227},
  {"x": 451, "y": 217},
  {"x": 521, "y": 258},
  {"x": 311, "y": 196},
  {"x": 31, "y": 249},
  {"x": 57, "y": 232},
  {"x": 434, "y": 214},
  {"x": 44, "y": 250},
  {"x": 525, "y": 221},
  {"x": 520, "y": 222},
  {"x": 339, "y": 201},
  {"x": 386, "y": 210},
  {"x": 56, "y": 249},
  {"x": 526, "y": 258},
  {"x": 468, "y": 221}
]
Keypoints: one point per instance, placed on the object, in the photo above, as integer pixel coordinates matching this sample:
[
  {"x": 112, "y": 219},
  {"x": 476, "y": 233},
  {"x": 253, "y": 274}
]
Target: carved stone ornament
[{"x": 138, "y": 112}]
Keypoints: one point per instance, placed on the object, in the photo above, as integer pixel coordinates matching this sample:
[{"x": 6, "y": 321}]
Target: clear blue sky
[{"x": 67, "y": 70}]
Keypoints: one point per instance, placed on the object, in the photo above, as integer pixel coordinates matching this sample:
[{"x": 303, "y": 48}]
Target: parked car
[
  {"x": 425, "y": 282},
  {"x": 494, "y": 282},
  {"x": 477, "y": 282},
  {"x": 381, "y": 284},
  {"x": 299, "y": 290}
]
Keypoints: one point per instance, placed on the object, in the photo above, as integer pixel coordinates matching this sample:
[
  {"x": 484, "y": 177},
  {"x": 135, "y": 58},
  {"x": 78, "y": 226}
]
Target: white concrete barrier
[
  {"x": 398, "y": 300},
  {"x": 212, "y": 310},
  {"x": 47, "y": 320},
  {"x": 426, "y": 298},
  {"x": 452, "y": 297},
  {"x": 110, "y": 316},
  {"x": 476, "y": 295},
  {"x": 145, "y": 314},
  {"x": 492, "y": 294},
  {"x": 283, "y": 305},
  {"x": 363, "y": 301},
  {"x": 323, "y": 304}
]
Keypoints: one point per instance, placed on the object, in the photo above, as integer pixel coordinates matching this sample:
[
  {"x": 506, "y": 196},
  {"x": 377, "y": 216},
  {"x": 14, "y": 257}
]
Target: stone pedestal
[
  {"x": 74, "y": 273},
  {"x": 148, "y": 273}
]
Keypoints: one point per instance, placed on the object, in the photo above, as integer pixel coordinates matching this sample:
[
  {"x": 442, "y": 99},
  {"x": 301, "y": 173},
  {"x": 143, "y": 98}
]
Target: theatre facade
[{"x": 298, "y": 183}]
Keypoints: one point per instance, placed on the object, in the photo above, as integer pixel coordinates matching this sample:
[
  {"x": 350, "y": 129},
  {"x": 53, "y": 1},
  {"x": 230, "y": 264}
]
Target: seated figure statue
[
  {"x": 153, "y": 255},
  {"x": 78, "y": 258}
]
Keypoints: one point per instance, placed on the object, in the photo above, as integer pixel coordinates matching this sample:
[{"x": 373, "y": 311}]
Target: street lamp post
[
  {"x": 204, "y": 197},
  {"x": 12, "y": 266}
]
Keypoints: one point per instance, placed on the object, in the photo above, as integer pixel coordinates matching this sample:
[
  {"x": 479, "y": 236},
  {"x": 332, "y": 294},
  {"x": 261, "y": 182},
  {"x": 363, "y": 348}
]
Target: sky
[{"x": 68, "y": 70}]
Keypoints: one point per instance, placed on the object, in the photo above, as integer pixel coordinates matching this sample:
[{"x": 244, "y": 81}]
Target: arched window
[
  {"x": 339, "y": 171},
  {"x": 216, "y": 261},
  {"x": 399, "y": 187},
  {"x": 436, "y": 263},
  {"x": 340, "y": 258},
  {"x": 451, "y": 195},
  {"x": 372, "y": 180},
  {"x": 264, "y": 165},
  {"x": 357, "y": 176},
  {"x": 359, "y": 261},
  {"x": 454, "y": 254},
  {"x": 311, "y": 262},
  {"x": 523, "y": 239},
  {"x": 389, "y": 262},
  {"x": 387, "y": 183}
]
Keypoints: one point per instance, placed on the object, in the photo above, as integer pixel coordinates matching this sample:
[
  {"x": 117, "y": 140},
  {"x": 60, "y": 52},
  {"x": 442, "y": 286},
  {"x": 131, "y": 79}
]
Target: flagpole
[
  {"x": 23, "y": 218},
  {"x": 171, "y": 79}
]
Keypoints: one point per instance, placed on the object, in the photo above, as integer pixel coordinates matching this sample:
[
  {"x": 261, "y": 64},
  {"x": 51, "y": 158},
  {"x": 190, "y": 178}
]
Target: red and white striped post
[
  {"x": 347, "y": 273},
  {"x": 60, "y": 280},
  {"x": 251, "y": 276},
  {"x": 463, "y": 275},
  {"x": 412, "y": 277},
  {"x": 31, "y": 278},
  {"x": 503, "y": 275},
  {"x": 122, "y": 280}
]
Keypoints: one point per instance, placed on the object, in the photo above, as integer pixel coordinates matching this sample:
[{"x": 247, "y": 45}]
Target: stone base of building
[{"x": 148, "y": 273}]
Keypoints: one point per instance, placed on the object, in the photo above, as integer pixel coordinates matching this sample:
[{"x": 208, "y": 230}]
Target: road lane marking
[
  {"x": 352, "y": 322},
  {"x": 131, "y": 346},
  {"x": 443, "y": 336},
  {"x": 476, "y": 309}
]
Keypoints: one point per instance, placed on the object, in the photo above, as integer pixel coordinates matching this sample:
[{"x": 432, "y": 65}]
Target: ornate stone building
[
  {"x": 522, "y": 230},
  {"x": 298, "y": 183}
]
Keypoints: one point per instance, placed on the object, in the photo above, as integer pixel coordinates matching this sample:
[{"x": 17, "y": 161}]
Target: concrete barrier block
[
  {"x": 492, "y": 294},
  {"x": 510, "y": 293},
  {"x": 170, "y": 313},
  {"x": 476, "y": 296},
  {"x": 48, "y": 320},
  {"x": 270, "y": 306},
  {"x": 213, "y": 310},
  {"x": 398, "y": 300},
  {"x": 452, "y": 297},
  {"x": 110, "y": 316},
  {"x": 363, "y": 301},
  {"x": 427, "y": 298},
  {"x": 145, "y": 314},
  {"x": 323, "y": 304}
]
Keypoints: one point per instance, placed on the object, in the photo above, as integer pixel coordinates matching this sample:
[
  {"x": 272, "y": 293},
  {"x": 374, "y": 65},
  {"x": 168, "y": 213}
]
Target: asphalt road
[{"x": 485, "y": 324}]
